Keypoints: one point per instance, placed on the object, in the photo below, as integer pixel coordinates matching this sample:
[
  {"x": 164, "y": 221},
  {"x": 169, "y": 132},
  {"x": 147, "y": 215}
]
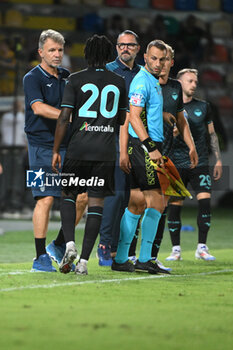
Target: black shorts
[
  {"x": 94, "y": 177},
  {"x": 199, "y": 178},
  {"x": 142, "y": 175}
]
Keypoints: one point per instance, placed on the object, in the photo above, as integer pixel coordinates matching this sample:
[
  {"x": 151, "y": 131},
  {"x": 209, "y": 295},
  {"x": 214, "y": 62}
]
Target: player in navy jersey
[
  {"x": 145, "y": 144},
  {"x": 96, "y": 98},
  {"x": 172, "y": 109},
  {"x": 198, "y": 114},
  {"x": 43, "y": 88},
  {"x": 127, "y": 48}
]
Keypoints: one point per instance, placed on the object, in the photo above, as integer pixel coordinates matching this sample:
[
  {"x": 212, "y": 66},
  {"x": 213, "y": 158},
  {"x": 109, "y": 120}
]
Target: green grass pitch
[{"x": 190, "y": 309}]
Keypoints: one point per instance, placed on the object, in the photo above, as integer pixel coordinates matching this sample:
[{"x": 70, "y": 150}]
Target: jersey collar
[
  {"x": 125, "y": 67},
  {"x": 48, "y": 75},
  {"x": 147, "y": 72}
]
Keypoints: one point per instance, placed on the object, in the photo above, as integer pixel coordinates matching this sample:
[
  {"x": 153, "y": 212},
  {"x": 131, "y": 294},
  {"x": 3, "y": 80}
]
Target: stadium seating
[
  {"x": 143, "y": 23},
  {"x": 57, "y": 23},
  {"x": 221, "y": 28},
  {"x": 229, "y": 78},
  {"x": 116, "y": 3},
  {"x": 225, "y": 103},
  {"x": 186, "y": 5},
  {"x": 13, "y": 18},
  {"x": 70, "y": 2},
  {"x": 172, "y": 25},
  {"x": 228, "y": 6},
  {"x": 93, "y": 2},
  {"x": 142, "y": 4},
  {"x": 209, "y": 5},
  {"x": 39, "y": 2},
  {"x": 220, "y": 53},
  {"x": 210, "y": 77},
  {"x": 92, "y": 22},
  {"x": 163, "y": 4},
  {"x": 77, "y": 50}
]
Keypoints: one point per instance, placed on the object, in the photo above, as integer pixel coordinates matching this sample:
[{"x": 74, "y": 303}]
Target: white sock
[
  {"x": 176, "y": 248},
  {"x": 201, "y": 246},
  {"x": 83, "y": 261},
  {"x": 70, "y": 244}
]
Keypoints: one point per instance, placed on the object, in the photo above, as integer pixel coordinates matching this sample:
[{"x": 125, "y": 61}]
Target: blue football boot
[
  {"x": 104, "y": 255},
  {"x": 43, "y": 264}
]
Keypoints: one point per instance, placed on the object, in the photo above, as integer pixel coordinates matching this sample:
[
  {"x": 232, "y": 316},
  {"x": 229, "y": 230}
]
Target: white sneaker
[
  {"x": 175, "y": 254},
  {"x": 68, "y": 258},
  {"x": 202, "y": 252},
  {"x": 160, "y": 265},
  {"x": 81, "y": 268}
]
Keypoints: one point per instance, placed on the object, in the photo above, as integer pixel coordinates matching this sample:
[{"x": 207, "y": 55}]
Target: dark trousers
[{"x": 114, "y": 207}]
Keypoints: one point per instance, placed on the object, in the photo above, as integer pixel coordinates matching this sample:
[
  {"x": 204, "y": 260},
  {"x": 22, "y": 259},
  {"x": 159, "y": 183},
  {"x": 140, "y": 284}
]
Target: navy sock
[
  {"x": 203, "y": 219},
  {"x": 40, "y": 246},
  {"x": 174, "y": 223},
  {"x": 60, "y": 238},
  {"x": 92, "y": 227},
  {"x": 68, "y": 216}
]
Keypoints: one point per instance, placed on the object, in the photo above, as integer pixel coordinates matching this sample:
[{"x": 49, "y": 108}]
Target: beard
[
  {"x": 127, "y": 58},
  {"x": 190, "y": 93}
]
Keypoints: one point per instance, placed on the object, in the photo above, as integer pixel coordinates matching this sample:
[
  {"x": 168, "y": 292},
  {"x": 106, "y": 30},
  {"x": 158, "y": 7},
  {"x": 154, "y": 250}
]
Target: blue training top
[
  {"x": 39, "y": 85},
  {"x": 124, "y": 71},
  {"x": 145, "y": 91}
]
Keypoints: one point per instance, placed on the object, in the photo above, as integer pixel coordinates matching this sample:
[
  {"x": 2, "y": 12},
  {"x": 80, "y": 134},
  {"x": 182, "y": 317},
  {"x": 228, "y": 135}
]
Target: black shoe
[
  {"x": 150, "y": 267},
  {"x": 125, "y": 267}
]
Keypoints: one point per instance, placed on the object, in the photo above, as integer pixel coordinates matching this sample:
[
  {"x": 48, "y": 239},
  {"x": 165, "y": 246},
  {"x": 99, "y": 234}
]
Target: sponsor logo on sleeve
[{"x": 136, "y": 99}]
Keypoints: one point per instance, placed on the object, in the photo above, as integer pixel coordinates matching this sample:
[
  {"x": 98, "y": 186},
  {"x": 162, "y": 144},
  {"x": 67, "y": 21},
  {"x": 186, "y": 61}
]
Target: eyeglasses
[{"x": 129, "y": 45}]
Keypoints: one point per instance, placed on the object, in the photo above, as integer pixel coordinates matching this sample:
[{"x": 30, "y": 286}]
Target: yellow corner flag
[{"x": 170, "y": 180}]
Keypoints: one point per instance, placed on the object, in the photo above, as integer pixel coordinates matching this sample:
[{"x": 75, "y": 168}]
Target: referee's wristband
[{"x": 149, "y": 144}]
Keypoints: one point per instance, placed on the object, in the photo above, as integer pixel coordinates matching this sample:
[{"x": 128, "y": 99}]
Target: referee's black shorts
[
  {"x": 142, "y": 174},
  {"x": 94, "y": 177}
]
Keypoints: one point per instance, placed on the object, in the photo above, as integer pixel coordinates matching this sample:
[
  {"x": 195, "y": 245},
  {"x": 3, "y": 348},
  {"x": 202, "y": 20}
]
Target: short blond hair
[
  {"x": 171, "y": 50},
  {"x": 186, "y": 70},
  {"x": 157, "y": 43}
]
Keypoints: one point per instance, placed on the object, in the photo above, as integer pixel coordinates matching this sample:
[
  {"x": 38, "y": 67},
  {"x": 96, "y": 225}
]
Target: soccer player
[
  {"x": 172, "y": 107},
  {"x": 198, "y": 114},
  {"x": 43, "y": 88},
  {"x": 127, "y": 48},
  {"x": 145, "y": 144},
  {"x": 96, "y": 98}
]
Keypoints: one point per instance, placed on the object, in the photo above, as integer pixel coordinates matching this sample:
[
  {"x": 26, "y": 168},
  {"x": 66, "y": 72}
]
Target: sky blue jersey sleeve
[
  {"x": 145, "y": 91},
  {"x": 138, "y": 92},
  {"x": 138, "y": 95}
]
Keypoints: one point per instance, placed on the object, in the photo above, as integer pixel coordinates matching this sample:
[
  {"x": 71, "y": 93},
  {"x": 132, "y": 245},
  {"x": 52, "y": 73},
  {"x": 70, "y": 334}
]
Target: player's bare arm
[
  {"x": 124, "y": 137},
  {"x": 185, "y": 132},
  {"x": 60, "y": 132},
  {"x": 214, "y": 144},
  {"x": 140, "y": 130},
  {"x": 169, "y": 118},
  {"x": 44, "y": 110}
]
